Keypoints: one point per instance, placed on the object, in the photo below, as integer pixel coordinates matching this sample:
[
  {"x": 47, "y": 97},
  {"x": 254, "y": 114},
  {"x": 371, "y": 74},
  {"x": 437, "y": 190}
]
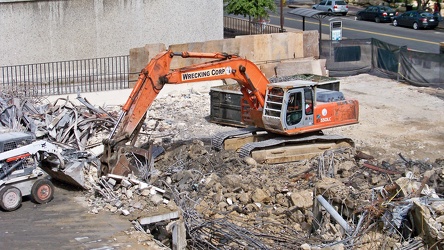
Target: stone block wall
[{"x": 268, "y": 51}]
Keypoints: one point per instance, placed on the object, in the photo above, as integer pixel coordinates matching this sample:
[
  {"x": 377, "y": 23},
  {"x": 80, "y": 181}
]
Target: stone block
[
  {"x": 213, "y": 46},
  {"x": 296, "y": 44},
  {"x": 154, "y": 49},
  {"x": 246, "y": 47},
  {"x": 280, "y": 47},
  {"x": 302, "y": 199},
  {"x": 140, "y": 57},
  {"x": 137, "y": 60},
  {"x": 231, "y": 46},
  {"x": 310, "y": 44},
  {"x": 260, "y": 195},
  {"x": 301, "y": 66},
  {"x": 262, "y": 48},
  {"x": 269, "y": 69}
]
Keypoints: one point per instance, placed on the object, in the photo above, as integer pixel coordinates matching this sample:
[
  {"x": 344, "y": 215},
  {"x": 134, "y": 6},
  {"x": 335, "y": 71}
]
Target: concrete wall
[
  {"x": 57, "y": 30},
  {"x": 288, "y": 52}
]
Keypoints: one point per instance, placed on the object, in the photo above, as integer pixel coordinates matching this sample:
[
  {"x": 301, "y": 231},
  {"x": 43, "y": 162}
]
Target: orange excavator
[{"x": 296, "y": 110}]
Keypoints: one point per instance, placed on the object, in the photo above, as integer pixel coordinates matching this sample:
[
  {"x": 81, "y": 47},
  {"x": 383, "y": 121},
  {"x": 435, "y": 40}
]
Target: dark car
[
  {"x": 377, "y": 14},
  {"x": 417, "y": 19}
]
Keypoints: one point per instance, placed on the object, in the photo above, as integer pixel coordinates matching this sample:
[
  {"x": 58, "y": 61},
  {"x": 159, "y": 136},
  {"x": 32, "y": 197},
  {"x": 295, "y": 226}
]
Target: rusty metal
[
  {"x": 373, "y": 167},
  {"x": 124, "y": 161}
]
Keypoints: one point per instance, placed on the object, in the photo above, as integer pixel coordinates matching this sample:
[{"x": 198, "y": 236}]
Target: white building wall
[{"x": 44, "y": 31}]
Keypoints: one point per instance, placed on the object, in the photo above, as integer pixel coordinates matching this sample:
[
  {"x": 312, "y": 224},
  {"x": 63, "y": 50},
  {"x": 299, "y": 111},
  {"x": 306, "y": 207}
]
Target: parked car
[
  {"x": 333, "y": 6},
  {"x": 377, "y": 14},
  {"x": 417, "y": 19}
]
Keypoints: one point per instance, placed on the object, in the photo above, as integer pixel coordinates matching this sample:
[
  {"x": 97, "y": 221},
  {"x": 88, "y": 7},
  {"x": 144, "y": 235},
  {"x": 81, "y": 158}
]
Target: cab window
[
  {"x": 308, "y": 95},
  {"x": 294, "y": 108}
]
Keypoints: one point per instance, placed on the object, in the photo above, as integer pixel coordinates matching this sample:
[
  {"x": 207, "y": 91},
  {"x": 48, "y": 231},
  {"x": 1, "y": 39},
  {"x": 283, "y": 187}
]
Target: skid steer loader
[{"x": 25, "y": 165}]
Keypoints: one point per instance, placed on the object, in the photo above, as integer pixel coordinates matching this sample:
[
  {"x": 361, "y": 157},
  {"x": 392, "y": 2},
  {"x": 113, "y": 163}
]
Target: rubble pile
[
  {"x": 275, "y": 202},
  {"x": 339, "y": 199},
  {"x": 179, "y": 117},
  {"x": 230, "y": 202}
]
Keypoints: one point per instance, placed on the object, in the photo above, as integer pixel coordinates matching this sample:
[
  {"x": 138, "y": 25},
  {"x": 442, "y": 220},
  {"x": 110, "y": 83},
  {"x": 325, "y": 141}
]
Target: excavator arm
[{"x": 151, "y": 81}]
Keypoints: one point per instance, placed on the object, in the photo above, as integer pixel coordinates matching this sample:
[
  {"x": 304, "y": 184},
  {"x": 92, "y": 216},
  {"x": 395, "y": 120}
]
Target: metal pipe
[
  {"x": 122, "y": 114},
  {"x": 334, "y": 213},
  {"x": 282, "y": 17}
]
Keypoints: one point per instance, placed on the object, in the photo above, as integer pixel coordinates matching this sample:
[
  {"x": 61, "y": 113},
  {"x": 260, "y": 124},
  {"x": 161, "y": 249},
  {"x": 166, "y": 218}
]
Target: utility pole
[{"x": 282, "y": 17}]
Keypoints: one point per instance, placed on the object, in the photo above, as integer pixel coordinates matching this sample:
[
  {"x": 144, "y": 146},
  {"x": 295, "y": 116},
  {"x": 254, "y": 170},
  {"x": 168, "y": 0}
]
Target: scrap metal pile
[
  {"x": 341, "y": 198},
  {"x": 73, "y": 128},
  {"x": 62, "y": 121}
]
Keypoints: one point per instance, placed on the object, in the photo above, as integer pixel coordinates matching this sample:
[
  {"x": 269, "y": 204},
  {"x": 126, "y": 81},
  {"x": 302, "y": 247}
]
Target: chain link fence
[{"x": 352, "y": 57}]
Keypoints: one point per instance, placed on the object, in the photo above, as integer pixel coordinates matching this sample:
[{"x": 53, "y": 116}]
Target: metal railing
[
  {"x": 67, "y": 77},
  {"x": 238, "y": 26}
]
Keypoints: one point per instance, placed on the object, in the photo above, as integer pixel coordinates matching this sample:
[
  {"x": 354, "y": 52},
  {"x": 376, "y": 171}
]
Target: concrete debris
[
  {"x": 231, "y": 203},
  {"x": 272, "y": 206}
]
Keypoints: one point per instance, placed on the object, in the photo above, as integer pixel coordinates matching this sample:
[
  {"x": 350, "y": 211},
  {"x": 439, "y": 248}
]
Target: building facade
[{"x": 58, "y": 30}]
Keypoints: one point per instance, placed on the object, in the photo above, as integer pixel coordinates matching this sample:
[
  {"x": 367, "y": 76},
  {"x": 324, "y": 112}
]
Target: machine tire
[
  {"x": 10, "y": 198},
  {"x": 377, "y": 19},
  {"x": 415, "y": 26},
  {"x": 358, "y": 17},
  {"x": 395, "y": 23},
  {"x": 42, "y": 191}
]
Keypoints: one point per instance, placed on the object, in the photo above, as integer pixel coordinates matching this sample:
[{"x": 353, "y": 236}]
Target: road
[
  {"x": 420, "y": 40},
  {"x": 63, "y": 223}
]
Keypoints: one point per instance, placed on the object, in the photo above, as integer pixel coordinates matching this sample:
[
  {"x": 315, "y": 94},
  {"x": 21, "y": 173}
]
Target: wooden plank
[{"x": 291, "y": 153}]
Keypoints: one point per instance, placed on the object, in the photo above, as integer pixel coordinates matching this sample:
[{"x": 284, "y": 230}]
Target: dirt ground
[{"x": 395, "y": 118}]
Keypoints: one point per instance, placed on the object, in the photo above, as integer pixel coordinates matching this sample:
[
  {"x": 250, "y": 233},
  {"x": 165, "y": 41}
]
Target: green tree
[{"x": 252, "y": 8}]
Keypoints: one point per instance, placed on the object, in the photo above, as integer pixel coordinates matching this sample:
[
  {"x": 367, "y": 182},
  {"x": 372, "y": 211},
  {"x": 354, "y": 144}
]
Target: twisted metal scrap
[{"x": 62, "y": 121}]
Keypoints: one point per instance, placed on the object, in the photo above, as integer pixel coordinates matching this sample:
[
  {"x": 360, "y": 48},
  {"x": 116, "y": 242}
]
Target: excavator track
[
  {"x": 288, "y": 149},
  {"x": 218, "y": 140},
  {"x": 271, "y": 149}
]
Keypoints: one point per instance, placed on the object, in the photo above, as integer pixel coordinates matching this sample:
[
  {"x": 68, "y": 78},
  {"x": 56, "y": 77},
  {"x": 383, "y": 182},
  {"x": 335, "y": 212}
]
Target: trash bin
[{"x": 408, "y": 7}]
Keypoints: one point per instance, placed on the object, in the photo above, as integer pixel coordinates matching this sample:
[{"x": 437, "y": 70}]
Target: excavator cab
[
  {"x": 288, "y": 106},
  {"x": 299, "y": 106}
]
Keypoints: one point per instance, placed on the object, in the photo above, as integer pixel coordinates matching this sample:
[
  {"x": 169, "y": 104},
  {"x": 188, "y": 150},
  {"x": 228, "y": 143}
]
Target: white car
[{"x": 333, "y": 6}]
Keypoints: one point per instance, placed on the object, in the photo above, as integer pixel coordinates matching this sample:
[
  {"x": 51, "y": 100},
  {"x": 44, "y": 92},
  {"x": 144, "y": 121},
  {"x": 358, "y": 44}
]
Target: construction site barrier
[{"x": 352, "y": 57}]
